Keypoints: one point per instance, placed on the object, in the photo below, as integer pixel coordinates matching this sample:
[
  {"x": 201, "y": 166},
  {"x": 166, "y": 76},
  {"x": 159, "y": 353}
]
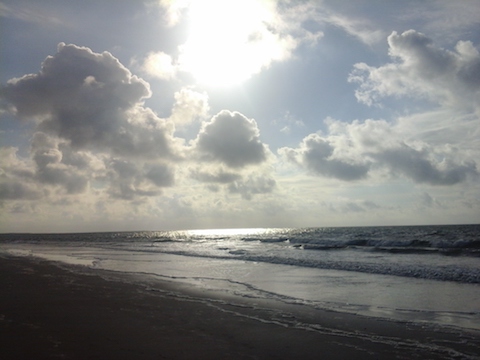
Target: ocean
[{"x": 421, "y": 274}]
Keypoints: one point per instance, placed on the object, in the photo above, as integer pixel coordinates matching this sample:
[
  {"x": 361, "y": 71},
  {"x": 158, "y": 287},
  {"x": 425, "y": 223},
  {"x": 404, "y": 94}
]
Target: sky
[{"x": 190, "y": 114}]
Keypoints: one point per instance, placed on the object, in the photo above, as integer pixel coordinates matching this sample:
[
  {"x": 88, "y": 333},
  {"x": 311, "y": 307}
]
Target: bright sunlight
[{"x": 229, "y": 41}]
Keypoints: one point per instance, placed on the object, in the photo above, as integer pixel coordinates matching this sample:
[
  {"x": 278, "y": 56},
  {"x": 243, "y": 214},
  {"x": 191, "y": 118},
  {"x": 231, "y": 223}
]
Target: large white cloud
[
  {"x": 421, "y": 69},
  {"x": 92, "y": 101},
  {"x": 92, "y": 130}
]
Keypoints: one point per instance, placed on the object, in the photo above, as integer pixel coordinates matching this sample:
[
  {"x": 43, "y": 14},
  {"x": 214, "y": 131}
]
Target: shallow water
[{"x": 397, "y": 298}]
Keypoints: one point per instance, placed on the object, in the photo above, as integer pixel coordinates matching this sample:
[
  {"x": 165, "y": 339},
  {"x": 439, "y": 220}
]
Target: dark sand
[{"x": 48, "y": 312}]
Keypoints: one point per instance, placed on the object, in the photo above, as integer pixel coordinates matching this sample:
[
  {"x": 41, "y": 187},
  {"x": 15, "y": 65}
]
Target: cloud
[
  {"x": 230, "y": 156},
  {"x": 159, "y": 65},
  {"x": 360, "y": 149},
  {"x": 92, "y": 131},
  {"x": 420, "y": 69},
  {"x": 252, "y": 185},
  {"x": 161, "y": 175},
  {"x": 447, "y": 20},
  {"x": 92, "y": 101},
  {"x": 228, "y": 42},
  {"x": 173, "y": 10},
  {"x": 361, "y": 29},
  {"x": 426, "y": 200},
  {"x": 230, "y": 139},
  {"x": 30, "y": 13},
  {"x": 189, "y": 106},
  {"x": 51, "y": 170},
  {"x": 420, "y": 166},
  {"x": 130, "y": 180},
  {"x": 216, "y": 176},
  {"x": 16, "y": 177},
  {"x": 317, "y": 155}
]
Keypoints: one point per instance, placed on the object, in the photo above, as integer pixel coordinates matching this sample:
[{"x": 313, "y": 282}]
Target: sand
[{"x": 52, "y": 312}]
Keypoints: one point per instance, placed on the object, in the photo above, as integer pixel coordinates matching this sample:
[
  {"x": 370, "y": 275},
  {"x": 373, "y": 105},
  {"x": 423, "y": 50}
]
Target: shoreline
[{"x": 49, "y": 311}]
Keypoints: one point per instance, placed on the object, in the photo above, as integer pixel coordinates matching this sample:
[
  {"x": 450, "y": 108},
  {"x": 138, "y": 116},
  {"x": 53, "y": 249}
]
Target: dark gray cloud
[
  {"x": 353, "y": 152},
  {"x": 317, "y": 155},
  {"x": 415, "y": 165},
  {"x": 232, "y": 139}
]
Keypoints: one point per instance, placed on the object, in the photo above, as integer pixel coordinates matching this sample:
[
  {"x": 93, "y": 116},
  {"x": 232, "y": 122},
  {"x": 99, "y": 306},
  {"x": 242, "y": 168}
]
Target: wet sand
[{"x": 52, "y": 312}]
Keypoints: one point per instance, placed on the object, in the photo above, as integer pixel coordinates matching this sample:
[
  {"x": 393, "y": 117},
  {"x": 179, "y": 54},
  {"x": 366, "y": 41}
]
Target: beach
[{"x": 49, "y": 311}]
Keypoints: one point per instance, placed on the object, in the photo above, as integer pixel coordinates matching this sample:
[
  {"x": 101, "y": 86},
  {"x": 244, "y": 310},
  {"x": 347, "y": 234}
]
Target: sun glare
[{"x": 228, "y": 40}]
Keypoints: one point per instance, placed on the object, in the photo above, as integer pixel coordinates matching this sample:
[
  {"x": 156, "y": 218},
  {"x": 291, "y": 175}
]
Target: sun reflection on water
[{"x": 229, "y": 232}]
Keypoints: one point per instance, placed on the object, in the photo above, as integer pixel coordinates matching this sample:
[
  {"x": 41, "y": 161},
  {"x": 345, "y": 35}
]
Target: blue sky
[{"x": 178, "y": 114}]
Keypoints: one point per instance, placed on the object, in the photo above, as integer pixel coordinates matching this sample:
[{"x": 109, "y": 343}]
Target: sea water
[{"x": 428, "y": 274}]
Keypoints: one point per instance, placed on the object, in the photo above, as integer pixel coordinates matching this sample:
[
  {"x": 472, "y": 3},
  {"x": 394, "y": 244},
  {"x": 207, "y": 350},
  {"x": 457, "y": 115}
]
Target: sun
[{"x": 229, "y": 40}]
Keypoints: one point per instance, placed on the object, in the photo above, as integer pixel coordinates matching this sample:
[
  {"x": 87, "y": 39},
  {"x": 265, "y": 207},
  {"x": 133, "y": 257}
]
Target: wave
[{"x": 421, "y": 271}]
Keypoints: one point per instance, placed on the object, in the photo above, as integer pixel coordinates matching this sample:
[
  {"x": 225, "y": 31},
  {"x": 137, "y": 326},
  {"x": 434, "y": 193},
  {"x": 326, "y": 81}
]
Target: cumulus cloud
[
  {"x": 231, "y": 156},
  {"x": 91, "y": 100},
  {"x": 355, "y": 151},
  {"x": 93, "y": 134},
  {"x": 92, "y": 130},
  {"x": 421, "y": 69},
  {"x": 231, "y": 139}
]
